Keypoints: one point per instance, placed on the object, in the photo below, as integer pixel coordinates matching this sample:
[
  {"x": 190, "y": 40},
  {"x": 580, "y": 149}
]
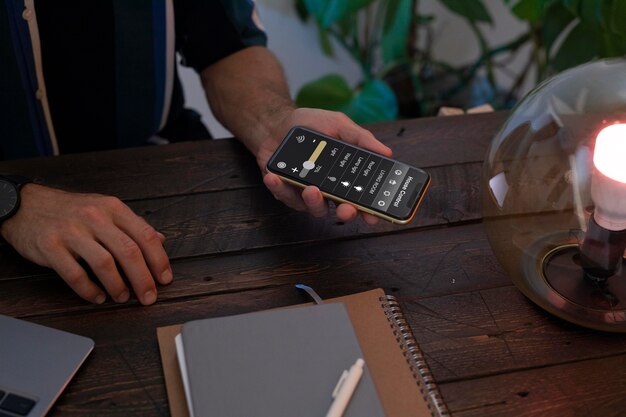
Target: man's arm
[{"x": 248, "y": 93}]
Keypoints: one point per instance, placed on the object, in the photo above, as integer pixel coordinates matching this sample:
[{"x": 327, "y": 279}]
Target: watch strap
[{"x": 17, "y": 180}]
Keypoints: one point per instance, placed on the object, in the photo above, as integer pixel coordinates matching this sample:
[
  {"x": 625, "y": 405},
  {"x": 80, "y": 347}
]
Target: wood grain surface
[{"x": 235, "y": 249}]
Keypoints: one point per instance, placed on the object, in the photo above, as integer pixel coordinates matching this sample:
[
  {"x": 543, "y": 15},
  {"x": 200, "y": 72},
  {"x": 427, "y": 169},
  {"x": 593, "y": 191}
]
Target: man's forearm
[{"x": 249, "y": 95}]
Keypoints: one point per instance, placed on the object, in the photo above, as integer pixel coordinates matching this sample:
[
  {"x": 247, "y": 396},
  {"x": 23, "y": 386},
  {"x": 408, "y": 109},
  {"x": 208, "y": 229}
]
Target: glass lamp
[{"x": 554, "y": 195}]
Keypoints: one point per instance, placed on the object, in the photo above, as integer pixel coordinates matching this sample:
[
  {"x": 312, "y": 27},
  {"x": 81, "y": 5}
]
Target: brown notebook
[{"x": 399, "y": 370}]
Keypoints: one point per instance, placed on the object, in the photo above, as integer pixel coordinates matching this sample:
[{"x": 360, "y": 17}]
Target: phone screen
[{"x": 383, "y": 185}]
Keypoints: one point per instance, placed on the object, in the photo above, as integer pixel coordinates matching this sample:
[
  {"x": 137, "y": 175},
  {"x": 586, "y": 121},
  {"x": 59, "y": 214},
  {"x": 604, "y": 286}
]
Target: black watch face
[{"x": 8, "y": 198}]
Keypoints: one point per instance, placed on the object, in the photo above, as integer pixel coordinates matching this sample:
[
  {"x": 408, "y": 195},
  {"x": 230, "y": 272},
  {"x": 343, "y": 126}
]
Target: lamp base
[
  {"x": 554, "y": 279},
  {"x": 564, "y": 273}
]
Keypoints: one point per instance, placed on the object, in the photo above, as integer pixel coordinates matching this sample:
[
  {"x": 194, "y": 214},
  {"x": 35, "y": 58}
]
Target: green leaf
[
  {"x": 330, "y": 92},
  {"x": 334, "y": 11},
  {"x": 328, "y": 12},
  {"x": 346, "y": 27},
  {"x": 473, "y": 10},
  {"x": 354, "y": 5},
  {"x": 327, "y": 46},
  {"x": 613, "y": 45},
  {"x": 391, "y": 11},
  {"x": 315, "y": 7},
  {"x": 529, "y": 10},
  {"x": 374, "y": 102},
  {"x": 301, "y": 10},
  {"x": 573, "y": 6},
  {"x": 396, "y": 30},
  {"x": 604, "y": 21},
  {"x": 423, "y": 19},
  {"x": 618, "y": 18},
  {"x": 581, "y": 45},
  {"x": 607, "y": 9},
  {"x": 557, "y": 18},
  {"x": 591, "y": 12},
  {"x": 349, "y": 7}
]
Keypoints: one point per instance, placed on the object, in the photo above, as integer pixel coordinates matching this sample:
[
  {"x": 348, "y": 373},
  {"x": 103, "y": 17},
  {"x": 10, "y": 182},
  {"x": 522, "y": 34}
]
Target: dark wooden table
[{"x": 235, "y": 249}]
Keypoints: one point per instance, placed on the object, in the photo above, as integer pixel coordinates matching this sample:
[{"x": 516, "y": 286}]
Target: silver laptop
[{"x": 36, "y": 363}]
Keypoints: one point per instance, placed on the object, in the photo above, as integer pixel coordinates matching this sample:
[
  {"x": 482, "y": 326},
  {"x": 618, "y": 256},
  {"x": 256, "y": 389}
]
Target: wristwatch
[{"x": 10, "y": 186}]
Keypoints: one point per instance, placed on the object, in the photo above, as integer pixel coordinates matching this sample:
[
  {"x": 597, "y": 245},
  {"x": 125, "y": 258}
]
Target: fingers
[
  {"x": 103, "y": 251},
  {"x": 350, "y": 132},
  {"x": 138, "y": 247},
  {"x": 126, "y": 238},
  {"x": 370, "y": 219},
  {"x": 289, "y": 195},
  {"x": 346, "y": 212},
  {"x": 101, "y": 259},
  {"x": 103, "y": 265},
  {"x": 315, "y": 203},
  {"x": 53, "y": 228},
  {"x": 339, "y": 125},
  {"x": 310, "y": 199},
  {"x": 145, "y": 243},
  {"x": 75, "y": 276},
  {"x": 127, "y": 251},
  {"x": 334, "y": 124}
]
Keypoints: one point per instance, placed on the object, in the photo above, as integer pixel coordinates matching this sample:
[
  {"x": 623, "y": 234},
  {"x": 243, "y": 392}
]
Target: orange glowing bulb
[
  {"x": 608, "y": 182},
  {"x": 610, "y": 154}
]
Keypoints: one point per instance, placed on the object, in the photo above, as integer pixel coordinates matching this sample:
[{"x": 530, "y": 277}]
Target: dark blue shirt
[{"x": 102, "y": 75}]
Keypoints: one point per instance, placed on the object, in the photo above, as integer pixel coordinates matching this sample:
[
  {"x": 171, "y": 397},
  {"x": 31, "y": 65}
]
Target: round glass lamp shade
[{"x": 554, "y": 195}]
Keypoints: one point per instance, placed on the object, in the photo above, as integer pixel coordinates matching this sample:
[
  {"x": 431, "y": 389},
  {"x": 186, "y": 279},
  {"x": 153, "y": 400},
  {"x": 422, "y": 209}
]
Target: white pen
[{"x": 345, "y": 388}]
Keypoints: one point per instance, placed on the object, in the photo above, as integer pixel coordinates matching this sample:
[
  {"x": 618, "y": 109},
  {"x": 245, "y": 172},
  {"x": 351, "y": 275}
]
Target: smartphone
[{"x": 345, "y": 173}]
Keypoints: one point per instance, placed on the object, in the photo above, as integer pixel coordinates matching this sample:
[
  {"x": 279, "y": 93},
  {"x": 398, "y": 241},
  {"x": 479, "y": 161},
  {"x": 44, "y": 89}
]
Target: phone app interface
[{"x": 359, "y": 176}]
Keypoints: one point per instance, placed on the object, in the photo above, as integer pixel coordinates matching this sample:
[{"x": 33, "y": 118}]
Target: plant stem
[
  {"x": 376, "y": 36},
  {"x": 367, "y": 39},
  {"x": 468, "y": 73},
  {"x": 485, "y": 55},
  {"x": 353, "y": 49},
  {"x": 540, "y": 64},
  {"x": 412, "y": 39},
  {"x": 519, "y": 80}
]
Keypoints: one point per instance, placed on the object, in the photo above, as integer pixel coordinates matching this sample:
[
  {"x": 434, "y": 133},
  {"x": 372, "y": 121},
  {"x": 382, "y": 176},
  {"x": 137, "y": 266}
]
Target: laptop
[{"x": 36, "y": 364}]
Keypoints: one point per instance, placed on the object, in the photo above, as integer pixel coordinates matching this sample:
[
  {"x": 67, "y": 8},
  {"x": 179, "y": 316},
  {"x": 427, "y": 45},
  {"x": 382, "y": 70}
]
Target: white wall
[{"x": 296, "y": 46}]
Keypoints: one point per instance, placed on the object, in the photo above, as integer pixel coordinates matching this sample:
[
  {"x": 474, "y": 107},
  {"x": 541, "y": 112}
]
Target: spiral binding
[{"x": 414, "y": 356}]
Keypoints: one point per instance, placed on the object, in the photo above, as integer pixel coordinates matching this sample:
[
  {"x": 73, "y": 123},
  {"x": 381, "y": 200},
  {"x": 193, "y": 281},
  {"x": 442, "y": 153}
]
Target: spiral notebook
[{"x": 398, "y": 369}]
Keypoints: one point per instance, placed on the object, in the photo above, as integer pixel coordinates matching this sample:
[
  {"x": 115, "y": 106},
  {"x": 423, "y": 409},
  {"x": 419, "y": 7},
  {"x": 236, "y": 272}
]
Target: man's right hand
[{"x": 55, "y": 229}]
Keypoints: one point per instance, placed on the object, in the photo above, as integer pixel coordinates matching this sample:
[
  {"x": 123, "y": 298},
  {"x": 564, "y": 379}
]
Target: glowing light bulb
[
  {"x": 603, "y": 248},
  {"x": 608, "y": 184},
  {"x": 609, "y": 156}
]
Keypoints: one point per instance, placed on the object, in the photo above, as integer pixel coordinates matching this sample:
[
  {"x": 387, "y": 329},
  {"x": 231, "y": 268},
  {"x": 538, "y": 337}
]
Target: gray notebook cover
[{"x": 278, "y": 363}]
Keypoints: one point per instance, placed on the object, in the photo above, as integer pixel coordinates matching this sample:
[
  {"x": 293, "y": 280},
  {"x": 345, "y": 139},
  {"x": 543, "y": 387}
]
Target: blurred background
[{"x": 379, "y": 60}]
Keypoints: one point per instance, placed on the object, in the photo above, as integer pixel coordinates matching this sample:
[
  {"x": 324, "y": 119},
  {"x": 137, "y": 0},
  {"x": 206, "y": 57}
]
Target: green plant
[
  {"x": 374, "y": 33},
  {"x": 566, "y": 33},
  {"x": 392, "y": 42}
]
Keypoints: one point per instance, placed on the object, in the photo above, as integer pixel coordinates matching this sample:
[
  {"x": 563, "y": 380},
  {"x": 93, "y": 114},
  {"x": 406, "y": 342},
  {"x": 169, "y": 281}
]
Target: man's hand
[
  {"x": 249, "y": 95},
  {"x": 333, "y": 124},
  {"x": 55, "y": 229}
]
